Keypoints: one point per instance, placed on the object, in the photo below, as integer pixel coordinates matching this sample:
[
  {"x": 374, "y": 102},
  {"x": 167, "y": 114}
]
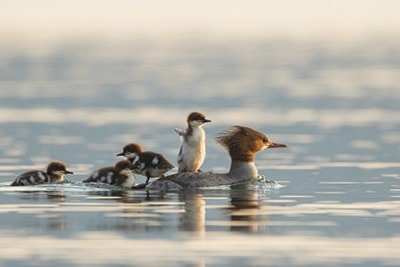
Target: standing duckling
[
  {"x": 120, "y": 174},
  {"x": 146, "y": 163},
  {"x": 54, "y": 174},
  {"x": 193, "y": 149}
]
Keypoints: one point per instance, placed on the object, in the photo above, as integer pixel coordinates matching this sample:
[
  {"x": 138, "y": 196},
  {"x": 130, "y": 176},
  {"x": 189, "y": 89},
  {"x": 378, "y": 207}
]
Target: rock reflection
[{"x": 194, "y": 217}]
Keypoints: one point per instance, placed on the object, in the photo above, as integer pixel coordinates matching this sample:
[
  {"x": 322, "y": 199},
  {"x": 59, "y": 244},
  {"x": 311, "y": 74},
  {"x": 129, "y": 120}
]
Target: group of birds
[{"x": 147, "y": 163}]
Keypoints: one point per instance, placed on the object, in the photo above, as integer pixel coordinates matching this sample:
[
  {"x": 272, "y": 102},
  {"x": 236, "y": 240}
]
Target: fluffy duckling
[
  {"x": 121, "y": 174},
  {"x": 54, "y": 174},
  {"x": 193, "y": 149}
]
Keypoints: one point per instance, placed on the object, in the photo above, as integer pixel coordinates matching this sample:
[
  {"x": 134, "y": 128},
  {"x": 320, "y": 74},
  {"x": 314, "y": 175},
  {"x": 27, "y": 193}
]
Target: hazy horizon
[{"x": 46, "y": 21}]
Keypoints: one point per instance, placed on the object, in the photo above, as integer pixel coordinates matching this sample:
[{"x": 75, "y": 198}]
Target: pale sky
[{"x": 52, "y": 19}]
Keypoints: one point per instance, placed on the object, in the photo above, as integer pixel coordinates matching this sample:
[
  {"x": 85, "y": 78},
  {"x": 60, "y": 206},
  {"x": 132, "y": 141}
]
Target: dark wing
[
  {"x": 31, "y": 178},
  {"x": 100, "y": 175},
  {"x": 155, "y": 160}
]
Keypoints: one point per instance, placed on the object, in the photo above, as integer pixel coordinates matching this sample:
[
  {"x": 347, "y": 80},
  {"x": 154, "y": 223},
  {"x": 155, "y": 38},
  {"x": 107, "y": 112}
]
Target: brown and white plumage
[
  {"x": 54, "y": 174},
  {"x": 193, "y": 149},
  {"x": 146, "y": 163},
  {"x": 242, "y": 143},
  {"x": 120, "y": 174}
]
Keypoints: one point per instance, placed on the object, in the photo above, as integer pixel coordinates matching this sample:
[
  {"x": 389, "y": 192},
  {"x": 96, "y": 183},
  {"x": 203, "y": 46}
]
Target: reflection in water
[
  {"x": 40, "y": 210},
  {"x": 245, "y": 206},
  {"x": 244, "y": 199},
  {"x": 194, "y": 217},
  {"x": 55, "y": 221},
  {"x": 337, "y": 106},
  {"x": 51, "y": 195},
  {"x": 56, "y": 196},
  {"x": 244, "y": 212}
]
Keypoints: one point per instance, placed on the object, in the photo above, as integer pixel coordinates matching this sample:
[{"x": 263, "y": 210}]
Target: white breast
[
  {"x": 193, "y": 151},
  {"x": 130, "y": 180}
]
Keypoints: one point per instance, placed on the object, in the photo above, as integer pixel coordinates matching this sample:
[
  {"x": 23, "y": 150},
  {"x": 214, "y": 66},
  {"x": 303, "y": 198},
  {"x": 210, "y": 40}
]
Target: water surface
[{"x": 335, "y": 106}]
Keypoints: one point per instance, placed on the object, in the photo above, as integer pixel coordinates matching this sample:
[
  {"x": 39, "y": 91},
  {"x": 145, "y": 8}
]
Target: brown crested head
[
  {"x": 57, "y": 167},
  {"x": 123, "y": 165},
  {"x": 243, "y": 142},
  {"x": 129, "y": 149},
  {"x": 197, "y": 117}
]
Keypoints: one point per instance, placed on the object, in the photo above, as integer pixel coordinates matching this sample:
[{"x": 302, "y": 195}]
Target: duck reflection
[
  {"x": 194, "y": 218},
  {"x": 42, "y": 209},
  {"x": 244, "y": 200},
  {"x": 52, "y": 195},
  {"x": 245, "y": 215},
  {"x": 126, "y": 196},
  {"x": 55, "y": 221},
  {"x": 56, "y": 196}
]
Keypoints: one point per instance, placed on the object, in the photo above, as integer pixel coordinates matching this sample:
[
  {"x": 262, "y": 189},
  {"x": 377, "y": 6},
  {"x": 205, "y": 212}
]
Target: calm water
[{"x": 336, "y": 106}]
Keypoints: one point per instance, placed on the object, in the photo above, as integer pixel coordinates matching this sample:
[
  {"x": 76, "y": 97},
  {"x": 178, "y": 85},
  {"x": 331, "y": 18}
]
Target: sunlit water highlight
[{"x": 332, "y": 198}]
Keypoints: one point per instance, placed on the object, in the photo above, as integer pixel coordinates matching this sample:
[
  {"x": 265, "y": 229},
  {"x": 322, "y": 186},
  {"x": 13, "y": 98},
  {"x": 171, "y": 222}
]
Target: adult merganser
[
  {"x": 242, "y": 144},
  {"x": 54, "y": 174},
  {"x": 193, "y": 149}
]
